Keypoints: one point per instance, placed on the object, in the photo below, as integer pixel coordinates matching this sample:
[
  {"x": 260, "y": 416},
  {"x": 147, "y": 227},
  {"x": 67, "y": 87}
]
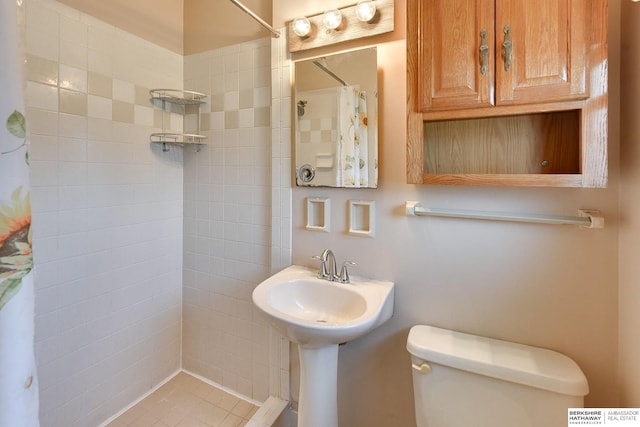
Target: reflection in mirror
[{"x": 336, "y": 120}]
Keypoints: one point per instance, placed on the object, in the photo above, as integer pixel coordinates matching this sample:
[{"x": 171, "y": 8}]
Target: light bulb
[
  {"x": 332, "y": 19},
  {"x": 366, "y": 10},
  {"x": 301, "y": 26}
]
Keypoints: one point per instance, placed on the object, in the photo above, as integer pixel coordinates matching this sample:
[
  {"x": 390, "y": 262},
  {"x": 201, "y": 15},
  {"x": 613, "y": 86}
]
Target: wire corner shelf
[{"x": 182, "y": 98}]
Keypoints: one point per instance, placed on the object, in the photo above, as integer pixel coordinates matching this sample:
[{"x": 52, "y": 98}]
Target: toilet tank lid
[{"x": 518, "y": 363}]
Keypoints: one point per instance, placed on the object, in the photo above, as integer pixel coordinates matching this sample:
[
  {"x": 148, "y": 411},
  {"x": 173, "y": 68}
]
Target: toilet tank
[{"x": 462, "y": 380}]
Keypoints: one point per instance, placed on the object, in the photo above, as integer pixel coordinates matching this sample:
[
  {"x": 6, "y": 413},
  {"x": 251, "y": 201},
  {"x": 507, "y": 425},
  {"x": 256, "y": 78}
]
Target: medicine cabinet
[{"x": 336, "y": 120}]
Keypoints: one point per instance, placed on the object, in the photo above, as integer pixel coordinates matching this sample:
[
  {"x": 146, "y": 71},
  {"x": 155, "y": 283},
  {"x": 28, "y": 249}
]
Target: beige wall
[
  {"x": 210, "y": 24},
  {"x": 629, "y": 207},
  {"x": 182, "y": 26},
  {"x": 549, "y": 286},
  {"x": 158, "y": 21}
]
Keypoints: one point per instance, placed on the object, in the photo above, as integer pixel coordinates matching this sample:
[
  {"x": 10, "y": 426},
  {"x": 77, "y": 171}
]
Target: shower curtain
[
  {"x": 18, "y": 383},
  {"x": 353, "y": 138}
]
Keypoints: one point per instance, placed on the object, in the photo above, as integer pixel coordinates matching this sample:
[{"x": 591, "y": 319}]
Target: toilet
[{"x": 462, "y": 380}]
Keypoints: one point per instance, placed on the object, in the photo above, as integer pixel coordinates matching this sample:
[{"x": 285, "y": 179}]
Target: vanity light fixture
[
  {"x": 366, "y": 10},
  {"x": 302, "y": 26},
  {"x": 332, "y": 19},
  {"x": 366, "y": 18}
]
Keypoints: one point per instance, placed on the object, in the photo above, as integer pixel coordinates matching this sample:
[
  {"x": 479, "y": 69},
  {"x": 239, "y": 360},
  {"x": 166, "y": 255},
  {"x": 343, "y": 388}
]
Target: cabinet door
[
  {"x": 457, "y": 57},
  {"x": 543, "y": 50}
]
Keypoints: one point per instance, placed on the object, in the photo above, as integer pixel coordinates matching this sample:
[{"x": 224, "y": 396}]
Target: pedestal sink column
[{"x": 318, "y": 404}]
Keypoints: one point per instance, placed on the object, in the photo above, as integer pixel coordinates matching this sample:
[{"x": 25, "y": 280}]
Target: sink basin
[
  {"x": 317, "y": 303},
  {"x": 314, "y": 312},
  {"x": 318, "y": 315}
]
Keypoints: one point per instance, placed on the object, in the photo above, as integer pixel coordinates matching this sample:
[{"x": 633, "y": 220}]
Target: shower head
[{"x": 301, "y": 106}]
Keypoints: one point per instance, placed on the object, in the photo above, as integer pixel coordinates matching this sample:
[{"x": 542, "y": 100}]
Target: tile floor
[{"x": 185, "y": 401}]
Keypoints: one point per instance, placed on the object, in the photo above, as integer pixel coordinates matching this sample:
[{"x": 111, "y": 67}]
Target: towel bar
[{"x": 586, "y": 219}]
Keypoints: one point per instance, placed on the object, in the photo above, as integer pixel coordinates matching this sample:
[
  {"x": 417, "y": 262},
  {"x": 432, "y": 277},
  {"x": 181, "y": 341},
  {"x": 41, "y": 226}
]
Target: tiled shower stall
[{"x": 146, "y": 259}]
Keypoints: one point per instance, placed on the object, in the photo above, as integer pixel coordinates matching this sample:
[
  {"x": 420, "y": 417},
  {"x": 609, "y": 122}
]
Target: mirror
[{"x": 336, "y": 120}]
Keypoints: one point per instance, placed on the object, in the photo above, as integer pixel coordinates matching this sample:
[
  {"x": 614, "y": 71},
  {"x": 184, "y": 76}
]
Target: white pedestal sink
[{"x": 318, "y": 315}]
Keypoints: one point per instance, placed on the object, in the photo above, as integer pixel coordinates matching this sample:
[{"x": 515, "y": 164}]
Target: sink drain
[{"x": 321, "y": 321}]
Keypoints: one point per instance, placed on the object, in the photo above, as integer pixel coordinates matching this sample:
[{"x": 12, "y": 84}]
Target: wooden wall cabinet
[{"x": 507, "y": 92}]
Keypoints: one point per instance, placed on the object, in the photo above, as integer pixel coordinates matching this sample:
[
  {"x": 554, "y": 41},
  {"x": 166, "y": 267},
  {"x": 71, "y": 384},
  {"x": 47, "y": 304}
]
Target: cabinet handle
[
  {"x": 484, "y": 52},
  {"x": 507, "y": 47}
]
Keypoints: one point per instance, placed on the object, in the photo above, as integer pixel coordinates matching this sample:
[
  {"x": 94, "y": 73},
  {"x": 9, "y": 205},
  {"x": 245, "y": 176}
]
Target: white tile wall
[
  {"x": 227, "y": 220},
  {"x": 107, "y": 217},
  {"x": 281, "y": 195}
]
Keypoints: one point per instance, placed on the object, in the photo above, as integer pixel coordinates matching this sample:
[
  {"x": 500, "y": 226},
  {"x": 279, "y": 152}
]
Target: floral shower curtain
[
  {"x": 353, "y": 138},
  {"x": 18, "y": 383}
]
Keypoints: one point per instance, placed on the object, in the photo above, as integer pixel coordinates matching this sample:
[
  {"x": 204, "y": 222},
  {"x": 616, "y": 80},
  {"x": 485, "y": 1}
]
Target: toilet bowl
[{"x": 463, "y": 380}]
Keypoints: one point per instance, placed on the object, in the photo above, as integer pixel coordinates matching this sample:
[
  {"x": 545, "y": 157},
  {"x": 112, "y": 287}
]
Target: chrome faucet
[
  {"x": 329, "y": 268},
  {"x": 330, "y": 271}
]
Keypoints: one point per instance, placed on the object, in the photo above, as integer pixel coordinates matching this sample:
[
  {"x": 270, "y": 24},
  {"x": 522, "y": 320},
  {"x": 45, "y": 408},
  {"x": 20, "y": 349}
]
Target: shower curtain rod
[
  {"x": 261, "y": 21},
  {"x": 331, "y": 73}
]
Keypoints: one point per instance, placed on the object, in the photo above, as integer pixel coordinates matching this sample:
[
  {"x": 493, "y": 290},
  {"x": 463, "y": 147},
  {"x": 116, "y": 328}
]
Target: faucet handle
[
  {"x": 322, "y": 274},
  {"x": 344, "y": 273}
]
